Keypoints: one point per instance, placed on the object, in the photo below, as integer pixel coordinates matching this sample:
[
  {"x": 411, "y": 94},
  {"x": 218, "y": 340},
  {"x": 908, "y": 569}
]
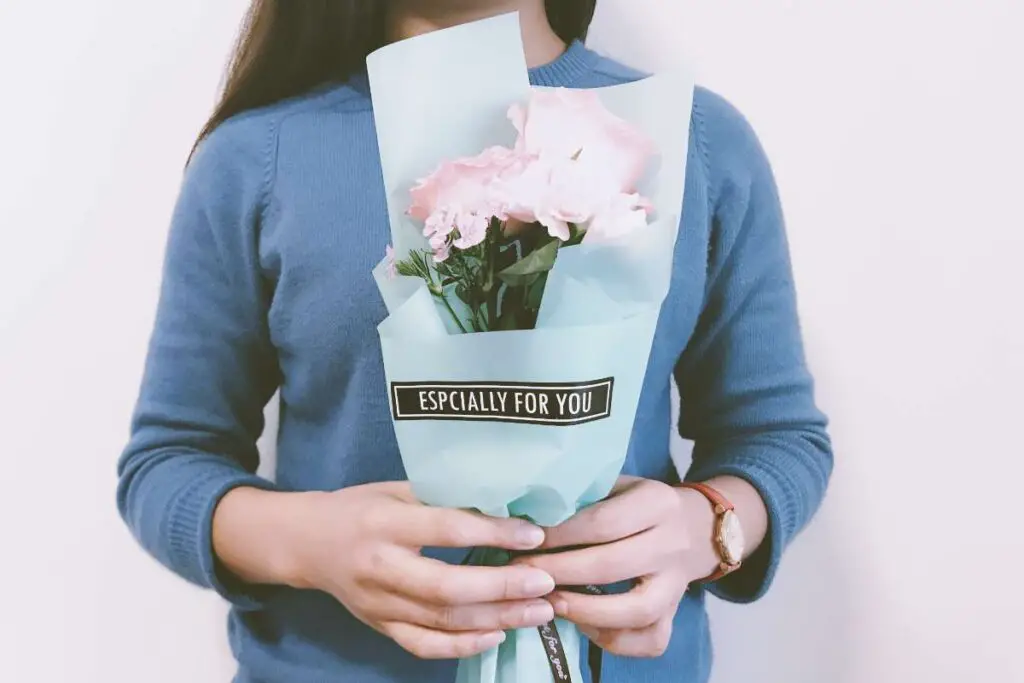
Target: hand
[
  {"x": 362, "y": 545},
  {"x": 659, "y": 535}
]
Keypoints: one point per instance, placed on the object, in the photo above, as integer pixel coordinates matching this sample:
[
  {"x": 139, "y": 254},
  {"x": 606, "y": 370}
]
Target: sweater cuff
[
  {"x": 190, "y": 532},
  {"x": 782, "y": 499}
]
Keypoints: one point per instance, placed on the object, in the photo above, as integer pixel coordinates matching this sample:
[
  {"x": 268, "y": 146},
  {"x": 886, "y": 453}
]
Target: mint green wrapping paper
[{"x": 445, "y": 95}]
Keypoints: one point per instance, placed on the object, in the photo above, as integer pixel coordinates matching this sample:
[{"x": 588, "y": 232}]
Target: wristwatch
[{"x": 728, "y": 534}]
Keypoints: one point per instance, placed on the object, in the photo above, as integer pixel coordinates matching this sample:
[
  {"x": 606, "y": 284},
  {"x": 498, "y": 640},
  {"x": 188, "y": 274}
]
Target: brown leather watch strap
[
  {"x": 717, "y": 499},
  {"x": 721, "y": 505}
]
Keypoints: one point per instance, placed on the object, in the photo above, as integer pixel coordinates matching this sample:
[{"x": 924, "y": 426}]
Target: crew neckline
[
  {"x": 564, "y": 71},
  {"x": 567, "y": 68}
]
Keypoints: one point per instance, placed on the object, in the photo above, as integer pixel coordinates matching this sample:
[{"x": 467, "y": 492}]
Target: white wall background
[{"x": 895, "y": 127}]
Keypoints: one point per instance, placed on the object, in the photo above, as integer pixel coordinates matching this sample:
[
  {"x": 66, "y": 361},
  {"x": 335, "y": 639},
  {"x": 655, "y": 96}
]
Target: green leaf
[
  {"x": 417, "y": 260},
  {"x": 531, "y": 267},
  {"x": 407, "y": 269},
  {"x": 463, "y": 293},
  {"x": 576, "y": 235}
]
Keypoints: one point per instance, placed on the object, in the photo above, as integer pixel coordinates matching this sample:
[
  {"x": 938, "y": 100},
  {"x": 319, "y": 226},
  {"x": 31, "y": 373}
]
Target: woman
[{"x": 267, "y": 286}]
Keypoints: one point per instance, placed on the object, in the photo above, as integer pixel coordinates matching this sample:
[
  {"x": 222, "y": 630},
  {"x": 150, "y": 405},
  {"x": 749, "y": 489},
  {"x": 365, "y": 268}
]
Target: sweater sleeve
[
  {"x": 746, "y": 395},
  {"x": 210, "y": 368}
]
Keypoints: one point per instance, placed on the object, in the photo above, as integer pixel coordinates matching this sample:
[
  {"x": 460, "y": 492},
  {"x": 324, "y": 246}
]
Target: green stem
[
  {"x": 439, "y": 293},
  {"x": 493, "y": 234},
  {"x": 451, "y": 310},
  {"x": 479, "y": 321}
]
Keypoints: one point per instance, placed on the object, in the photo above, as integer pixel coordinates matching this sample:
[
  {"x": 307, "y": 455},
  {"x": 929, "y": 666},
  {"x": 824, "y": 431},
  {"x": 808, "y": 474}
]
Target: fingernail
[
  {"x": 537, "y": 583},
  {"x": 492, "y": 640},
  {"x": 529, "y": 536},
  {"x": 538, "y": 614},
  {"x": 560, "y": 606}
]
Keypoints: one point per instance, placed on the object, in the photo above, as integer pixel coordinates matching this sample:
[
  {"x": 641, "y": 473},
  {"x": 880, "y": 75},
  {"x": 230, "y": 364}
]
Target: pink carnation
[
  {"x": 459, "y": 195},
  {"x": 390, "y": 267}
]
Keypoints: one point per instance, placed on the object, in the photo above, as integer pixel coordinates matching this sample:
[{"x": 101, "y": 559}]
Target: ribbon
[{"x": 553, "y": 648}]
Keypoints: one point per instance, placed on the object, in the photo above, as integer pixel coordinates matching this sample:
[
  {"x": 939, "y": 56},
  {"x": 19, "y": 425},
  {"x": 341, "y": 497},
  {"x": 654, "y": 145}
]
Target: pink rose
[
  {"x": 616, "y": 217},
  {"x": 581, "y": 165},
  {"x": 574, "y": 162},
  {"x": 565, "y": 123}
]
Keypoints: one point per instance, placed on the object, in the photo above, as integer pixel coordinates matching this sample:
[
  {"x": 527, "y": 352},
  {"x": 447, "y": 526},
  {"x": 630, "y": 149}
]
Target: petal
[
  {"x": 556, "y": 228},
  {"x": 567, "y": 122},
  {"x": 441, "y": 253},
  {"x": 461, "y": 183},
  {"x": 472, "y": 231}
]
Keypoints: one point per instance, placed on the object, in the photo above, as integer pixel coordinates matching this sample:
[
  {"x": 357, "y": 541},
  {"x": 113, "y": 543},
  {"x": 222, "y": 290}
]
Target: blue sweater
[{"x": 267, "y": 286}]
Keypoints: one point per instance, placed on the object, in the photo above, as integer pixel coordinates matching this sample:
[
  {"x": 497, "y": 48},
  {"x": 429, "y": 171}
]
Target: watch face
[{"x": 730, "y": 538}]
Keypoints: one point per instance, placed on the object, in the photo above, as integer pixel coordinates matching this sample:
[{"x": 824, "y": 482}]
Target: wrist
[
  {"x": 257, "y": 535},
  {"x": 699, "y": 517}
]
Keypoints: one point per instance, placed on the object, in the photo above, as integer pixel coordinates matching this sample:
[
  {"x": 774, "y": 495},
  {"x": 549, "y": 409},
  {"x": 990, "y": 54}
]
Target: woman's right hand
[{"x": 362, "y": 545}]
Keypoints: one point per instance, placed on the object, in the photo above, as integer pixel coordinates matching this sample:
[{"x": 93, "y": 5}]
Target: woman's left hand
[{"x": 646, "y": 530}]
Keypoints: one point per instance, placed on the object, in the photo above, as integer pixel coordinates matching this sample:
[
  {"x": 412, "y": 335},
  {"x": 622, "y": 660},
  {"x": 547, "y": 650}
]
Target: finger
[
  {"x": 427, "y": 643},
  {"x": 629, "y": 558},
  {"x": 481, "y": 617},
  {"x": 449, "y": 528},
  {"x": 652, "y": 641},
  {"x": 641, "y": 607},
  {"x": 635, "y": 506},
  {"x": 438, "y": 583}
]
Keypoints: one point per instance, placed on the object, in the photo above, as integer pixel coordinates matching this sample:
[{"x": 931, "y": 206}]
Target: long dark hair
[{"x": 287, "y": 47}]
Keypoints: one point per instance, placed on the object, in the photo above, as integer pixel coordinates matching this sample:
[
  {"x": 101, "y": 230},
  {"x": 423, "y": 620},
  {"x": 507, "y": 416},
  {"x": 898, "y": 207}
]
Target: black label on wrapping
[
  {"x": 556, "y": 653},
  {"x": 555, "y": 404}
]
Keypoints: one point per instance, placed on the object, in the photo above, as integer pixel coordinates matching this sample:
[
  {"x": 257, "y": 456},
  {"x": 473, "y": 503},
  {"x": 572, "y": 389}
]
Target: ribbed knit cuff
[
  {"x": 757, "y": 464},
  {"x": 190, "y": 533}
]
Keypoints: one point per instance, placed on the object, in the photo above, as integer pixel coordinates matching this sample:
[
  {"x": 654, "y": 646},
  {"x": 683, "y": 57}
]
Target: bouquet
[{"x": 532, "y": 240}]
